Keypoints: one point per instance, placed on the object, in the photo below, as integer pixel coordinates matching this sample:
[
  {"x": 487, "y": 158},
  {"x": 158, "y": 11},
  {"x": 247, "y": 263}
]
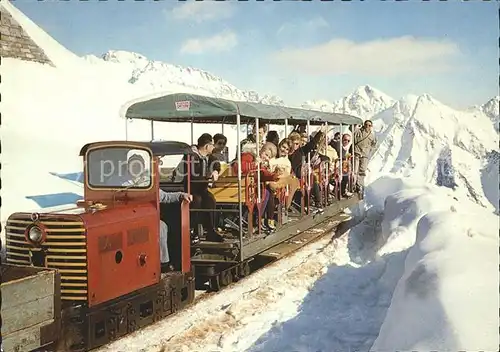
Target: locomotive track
[{"x": 338, "y": 223}]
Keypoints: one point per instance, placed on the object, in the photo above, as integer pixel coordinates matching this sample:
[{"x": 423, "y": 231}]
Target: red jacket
[{"x": 248, "y": 164}]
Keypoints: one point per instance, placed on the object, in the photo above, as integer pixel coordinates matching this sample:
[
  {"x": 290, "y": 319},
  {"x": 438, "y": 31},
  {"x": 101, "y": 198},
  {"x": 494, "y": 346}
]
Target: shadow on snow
[
  {"x": 55, "y": 199},
  {"x": 74, "y": 176},
  {"x": 346, "y": 307},
  {"x": 62, "y": 198}
]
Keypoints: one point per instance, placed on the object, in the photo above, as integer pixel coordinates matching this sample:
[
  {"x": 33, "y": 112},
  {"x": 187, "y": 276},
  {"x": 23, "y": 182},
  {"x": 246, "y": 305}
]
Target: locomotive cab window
[{"x": 119, "y": 167}]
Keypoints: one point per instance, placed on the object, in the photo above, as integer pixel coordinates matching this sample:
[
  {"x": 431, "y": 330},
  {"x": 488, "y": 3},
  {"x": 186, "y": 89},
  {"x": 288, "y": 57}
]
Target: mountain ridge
[
  {"x": 159, "y": 75},
  {"x": 364, "y": 101}
]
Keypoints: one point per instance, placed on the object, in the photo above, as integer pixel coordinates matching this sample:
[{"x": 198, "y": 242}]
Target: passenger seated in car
[
  {"x": 250, "y": 147},
  {"x": 252, "y": 139},
  {"x": 319, "y": 156},
  {"x": 218, "y": 155},
  {"x": 327, "y": 153},
  {"x": 201, "y": 175},
  {"x": 273, "y": 137},
  {"x": 304, "y": 139},
  {"x": 249, "y": 164},
  {"x": 299, "y": 157},
  {"x": 344, "y": 147},
  {"x": 282, "y": 162},
  {"x": 295, "y": 142},
  {"x": 140, "y": 177},
  {"x": 282, "y": 166},
  {"x": 335, "y": 140},
  {"x": 220, "y": 150}
]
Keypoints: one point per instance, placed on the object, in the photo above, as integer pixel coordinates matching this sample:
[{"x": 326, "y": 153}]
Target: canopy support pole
[
  {"x": 352, "y": 157},
  {"x": 309, "y": 186},
  {"x": 287, "y": 186},
  {"x": 257, "y": 146},
  {"x": 327, "y": 169},
  {"x": 192, "y": 132},
  {"x": 240, "y": 205},
  {"x": 126, "y": 129},
  {"x": 257, "y": 142},
  {"x": 152, "y": 131},
  {"x": 341, "y": 175}
]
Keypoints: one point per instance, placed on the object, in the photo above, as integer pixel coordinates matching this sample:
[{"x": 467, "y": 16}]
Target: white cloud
[
  {"x": 224, "y": 41},
  {"x": 310, "y": 25},
  {"x": 393, "y": 56},
  {"x": 202, "y": 11}
]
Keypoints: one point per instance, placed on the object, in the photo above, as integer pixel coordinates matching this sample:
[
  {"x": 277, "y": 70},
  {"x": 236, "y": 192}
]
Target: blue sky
[{"x": 298, "y": 50}]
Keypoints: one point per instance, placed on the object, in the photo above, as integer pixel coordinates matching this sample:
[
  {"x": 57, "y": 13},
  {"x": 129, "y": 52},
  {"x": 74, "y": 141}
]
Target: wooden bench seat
[{"x": 225, "y": 190}]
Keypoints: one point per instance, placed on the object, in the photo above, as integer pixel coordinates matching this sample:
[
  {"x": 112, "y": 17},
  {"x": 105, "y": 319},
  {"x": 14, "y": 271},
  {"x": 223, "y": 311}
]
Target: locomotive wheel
[
  {"x": 245, "y": 269},
  {"x": 214, "y": 283},
  {"x": 226, "y": 277},
  {"x": 235, "y": 272}
]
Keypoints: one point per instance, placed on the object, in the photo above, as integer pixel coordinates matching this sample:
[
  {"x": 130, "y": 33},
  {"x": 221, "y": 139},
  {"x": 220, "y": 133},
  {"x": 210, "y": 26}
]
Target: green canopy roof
[{"x": 183, "y": 107}]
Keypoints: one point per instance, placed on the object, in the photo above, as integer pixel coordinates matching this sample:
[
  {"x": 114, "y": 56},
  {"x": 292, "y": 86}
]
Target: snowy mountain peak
[
  {"x": 121, "y": 56},
  {"x": 491, "y": 109},
  {"x": 364, "y": 102},
  {"x": 153, "y": 76},
  {"x": 370, "y": 93}
]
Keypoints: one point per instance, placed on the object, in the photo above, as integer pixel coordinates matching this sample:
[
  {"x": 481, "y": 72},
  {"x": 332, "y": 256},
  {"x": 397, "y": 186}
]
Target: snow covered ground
[{"x": 417, "y": 271}]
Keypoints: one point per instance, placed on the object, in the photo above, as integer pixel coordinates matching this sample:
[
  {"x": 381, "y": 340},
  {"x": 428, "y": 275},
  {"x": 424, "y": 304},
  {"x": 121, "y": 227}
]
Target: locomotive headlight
[{"x": 35, "y": 235}]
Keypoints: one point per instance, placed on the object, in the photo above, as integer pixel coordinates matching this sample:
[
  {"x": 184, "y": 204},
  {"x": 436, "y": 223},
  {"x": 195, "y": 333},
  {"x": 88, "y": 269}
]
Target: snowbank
[{"x": 447, "y": 298}]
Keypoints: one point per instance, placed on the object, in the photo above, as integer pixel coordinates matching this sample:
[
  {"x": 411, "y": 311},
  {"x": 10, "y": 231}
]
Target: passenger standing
[
  {"x": 364, "y": 142},
  {"x": 201, "y": 175}
]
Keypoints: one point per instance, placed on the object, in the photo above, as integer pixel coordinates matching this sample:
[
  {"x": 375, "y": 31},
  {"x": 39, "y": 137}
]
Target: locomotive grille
[{"x": 64, "y": 249}]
